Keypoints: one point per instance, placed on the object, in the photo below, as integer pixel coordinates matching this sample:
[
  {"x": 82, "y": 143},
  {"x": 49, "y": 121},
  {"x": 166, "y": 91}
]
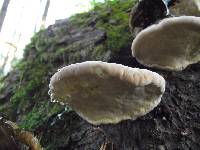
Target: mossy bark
[{"x": 101, "y": 34}]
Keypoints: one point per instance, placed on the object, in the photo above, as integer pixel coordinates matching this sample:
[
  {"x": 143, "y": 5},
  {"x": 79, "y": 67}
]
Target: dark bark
[
  {"x": 148, "y": 12},
  {"x": 3, "y": 12},
  {"x": 174, "y": 124}
]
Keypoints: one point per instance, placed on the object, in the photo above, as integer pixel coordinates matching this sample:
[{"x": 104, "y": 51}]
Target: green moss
[
  {"x": 115, "y": 22},
  {"x": 113, "y": 18},
  {"x": 1, "y": 83},
  {"x": 42, "y": 44},
  {"x": 31, "y": 96},
  {"x": 100, "y": 51},
  {"x": 38, "y": 114},
  {"x": 4, "y": 108},
  {"x": 34, "y": 40},
  {"x": 80, "y": 19},
  {"x": 29, "y": 81},
  {"x": 32, "y": 119}
]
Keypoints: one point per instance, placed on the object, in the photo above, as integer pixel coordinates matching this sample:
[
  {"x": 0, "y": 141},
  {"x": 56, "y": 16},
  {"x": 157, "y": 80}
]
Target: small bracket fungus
[
  {"x": 25, "y": 137},
  {"x": 11, "y": 134},
  {"x": 103, "y": 92},
  {"x": 173, "y": 44},
  {"x": 147, "y": 12},
  {"x": 186, "y": 7}
]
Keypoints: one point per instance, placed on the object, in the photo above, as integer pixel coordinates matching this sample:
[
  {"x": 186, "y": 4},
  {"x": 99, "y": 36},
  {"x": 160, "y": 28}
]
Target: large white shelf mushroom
[
  {"x": 172, "y": 44},
  {"x": 103, "y": 92}
]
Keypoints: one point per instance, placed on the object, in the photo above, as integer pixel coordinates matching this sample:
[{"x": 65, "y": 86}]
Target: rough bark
[{"x": 174, "y": 124}]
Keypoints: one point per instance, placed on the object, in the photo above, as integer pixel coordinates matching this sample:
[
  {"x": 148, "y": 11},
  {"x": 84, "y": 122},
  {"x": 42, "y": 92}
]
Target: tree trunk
[
  {"x": 174, "y": 124},
  {"x": 3, "y": 12},
  {"x": 45, "y": 14}
]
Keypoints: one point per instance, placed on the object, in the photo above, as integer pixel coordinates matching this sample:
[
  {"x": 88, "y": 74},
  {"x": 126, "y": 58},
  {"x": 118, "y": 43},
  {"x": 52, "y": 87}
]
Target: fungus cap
[
  {"x": 145, "y": 13},
  {"x": 103, "y": 92},
  {"x": 186, "y": 7},
  {"x": 172, "y": 44}
]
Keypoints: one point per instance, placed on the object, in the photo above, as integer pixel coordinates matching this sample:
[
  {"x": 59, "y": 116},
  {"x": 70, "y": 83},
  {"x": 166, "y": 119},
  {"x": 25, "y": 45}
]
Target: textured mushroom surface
[
  {"x": 186, "y": 7},
  {"x": 103, "y": 92},
  {"x": 172, "y": 44}
]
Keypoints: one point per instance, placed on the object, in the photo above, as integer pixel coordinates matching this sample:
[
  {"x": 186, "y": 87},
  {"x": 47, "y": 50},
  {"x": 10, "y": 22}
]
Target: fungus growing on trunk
[
  {"x": 172, "y": 44},
  {"x": 147, "y": 12},
  {"x": 104, "y": 93},
  {"x": 11, "y": 134},
  {"x": 186, "y": 7}
]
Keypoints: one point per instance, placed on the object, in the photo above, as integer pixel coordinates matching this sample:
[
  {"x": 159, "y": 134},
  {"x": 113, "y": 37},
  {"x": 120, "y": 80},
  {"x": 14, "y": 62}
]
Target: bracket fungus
[
  {"x": 104, "y": 93},
  {"x": 147, "y": 12},
  {"x": 172, "y": 44},
  {"x": 11, "y": 134},
  {"x": 186, "y": 7}
]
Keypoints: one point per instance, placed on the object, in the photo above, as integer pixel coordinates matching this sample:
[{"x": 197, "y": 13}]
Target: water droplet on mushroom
[
  {"x": 49, "y": 92},
  {"x": 61, "y": 103},
  {"x": 59, "y": 115}
]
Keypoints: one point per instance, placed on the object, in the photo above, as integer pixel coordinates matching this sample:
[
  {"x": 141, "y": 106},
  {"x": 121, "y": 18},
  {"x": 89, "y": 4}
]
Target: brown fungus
[
  {"x": 11, "y": 135},
  {"x": 25, "y": 137},
  {"x": 103, "y": 92},
  {"x": 172, "y": 44}
]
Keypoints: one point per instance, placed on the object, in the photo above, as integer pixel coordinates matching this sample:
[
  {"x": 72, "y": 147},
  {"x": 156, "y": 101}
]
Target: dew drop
[
  {"x": 54, "y": 101},
  {"x": 59, "y": 115},
  {"x": 61, "y": 103},
  {"x": 49, "y": 92}
]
